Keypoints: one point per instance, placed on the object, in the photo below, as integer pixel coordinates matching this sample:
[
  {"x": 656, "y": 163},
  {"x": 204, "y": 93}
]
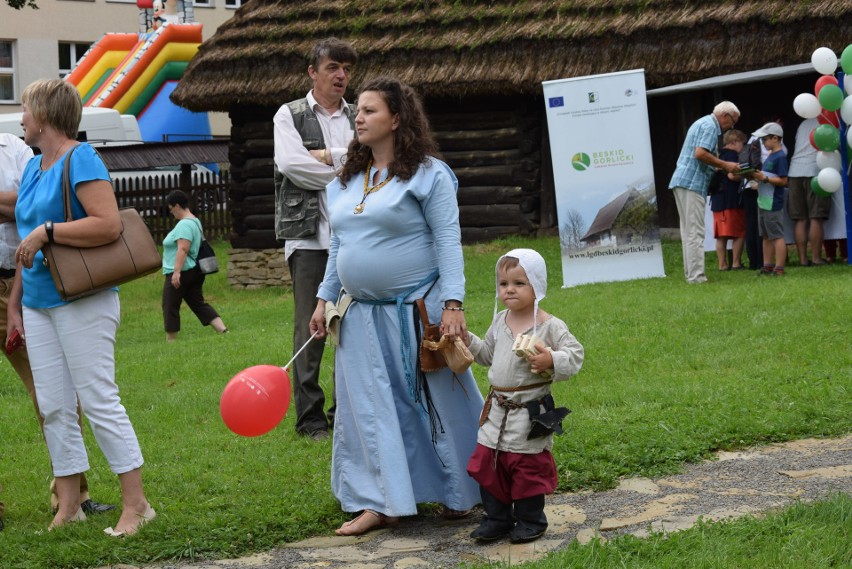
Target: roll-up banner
[{"x": 606, "y": 201}]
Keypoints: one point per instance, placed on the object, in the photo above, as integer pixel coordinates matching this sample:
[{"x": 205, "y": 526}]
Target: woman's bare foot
[
  {"x": 368, "y": 520},
  {"x": 62, "y": 518},
  {"x": 131, "y": 520}
]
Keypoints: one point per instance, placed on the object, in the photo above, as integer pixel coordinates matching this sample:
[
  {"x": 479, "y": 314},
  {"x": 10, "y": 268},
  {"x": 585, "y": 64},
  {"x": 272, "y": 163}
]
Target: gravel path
[{"x": 735, "y": 484}]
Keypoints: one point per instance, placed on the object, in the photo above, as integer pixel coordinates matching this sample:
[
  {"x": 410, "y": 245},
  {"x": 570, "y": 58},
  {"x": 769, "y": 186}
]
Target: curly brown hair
[{"x": 413, "y": 141}]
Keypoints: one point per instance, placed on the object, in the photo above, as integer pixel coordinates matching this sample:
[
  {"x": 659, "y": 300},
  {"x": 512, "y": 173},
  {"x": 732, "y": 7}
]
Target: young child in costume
[{"x": 527, "y": 349}]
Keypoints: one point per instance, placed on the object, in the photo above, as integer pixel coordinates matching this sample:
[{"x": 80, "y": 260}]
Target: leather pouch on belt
[
  {"x": 430, "y": 358},
  {"x": 334, "y": 313}
]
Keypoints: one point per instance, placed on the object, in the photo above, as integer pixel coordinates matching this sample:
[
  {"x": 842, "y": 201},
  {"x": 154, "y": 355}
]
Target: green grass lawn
[
  {"x": 673, "y": 372},
  {"x": 812, "y": 536}
]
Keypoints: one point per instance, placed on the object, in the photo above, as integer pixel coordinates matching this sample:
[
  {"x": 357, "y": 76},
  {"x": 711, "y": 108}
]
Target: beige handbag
[{"x": 81, "y": 271}]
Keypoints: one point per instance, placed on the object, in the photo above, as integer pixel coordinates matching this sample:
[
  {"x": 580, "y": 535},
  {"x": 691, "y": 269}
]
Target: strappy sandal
[
  {"x": 375, "y": 520},
  {"x": 149, "y": 515}
]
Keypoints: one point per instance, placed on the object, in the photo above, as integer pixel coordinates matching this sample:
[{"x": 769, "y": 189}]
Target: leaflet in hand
[{"x": 745, "y": 168}]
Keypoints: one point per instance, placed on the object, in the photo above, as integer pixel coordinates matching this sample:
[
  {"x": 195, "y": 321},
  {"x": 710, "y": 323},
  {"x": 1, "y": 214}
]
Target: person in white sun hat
[{"x": 527, "y": 349}]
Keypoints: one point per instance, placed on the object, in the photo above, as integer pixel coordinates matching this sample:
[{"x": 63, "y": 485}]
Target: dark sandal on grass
[{"x": 367, "y": 521}]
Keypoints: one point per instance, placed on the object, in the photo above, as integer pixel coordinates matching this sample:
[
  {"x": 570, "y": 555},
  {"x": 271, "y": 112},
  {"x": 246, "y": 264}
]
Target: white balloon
[
  {"x": 829, "y": 180},
  {"x": 829, "y": 160},
  {"x": 849, "y": 136},
  {"x": 847, "y": 84},
  {"x": 807, "y": 106},
  {"x": 846, "y": 110},
  {"x": 824, "y": 61}
]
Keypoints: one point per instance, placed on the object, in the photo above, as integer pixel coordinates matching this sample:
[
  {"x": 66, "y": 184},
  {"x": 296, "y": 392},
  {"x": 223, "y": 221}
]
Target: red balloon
[
  {"x": 823, "y": 81},
  {"x": 811, "y": 138},
  {"x": 255, "y": 400},
  {"x": 829, "y": 117}
]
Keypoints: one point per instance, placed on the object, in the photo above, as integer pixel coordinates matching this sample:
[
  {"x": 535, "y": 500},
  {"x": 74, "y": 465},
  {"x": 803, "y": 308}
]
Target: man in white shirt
[
  {"x": 311, "y": 136},
  {"x": 808, "y": 210}
]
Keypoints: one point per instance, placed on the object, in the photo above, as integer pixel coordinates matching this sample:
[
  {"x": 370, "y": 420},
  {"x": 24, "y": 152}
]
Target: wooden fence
[{"x": 208, "y": 200}]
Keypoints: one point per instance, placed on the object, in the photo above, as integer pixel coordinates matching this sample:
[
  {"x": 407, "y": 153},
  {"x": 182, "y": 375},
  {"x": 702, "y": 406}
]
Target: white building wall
[{"x": 37, "y": 33}]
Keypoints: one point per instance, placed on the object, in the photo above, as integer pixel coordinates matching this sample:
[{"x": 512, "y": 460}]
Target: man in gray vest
[{"x": 312, "y": 135}]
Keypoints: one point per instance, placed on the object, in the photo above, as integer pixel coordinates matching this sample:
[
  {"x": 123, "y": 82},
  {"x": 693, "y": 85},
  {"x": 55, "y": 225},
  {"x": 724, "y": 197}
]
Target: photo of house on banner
[{"x": 603, "y": 171}]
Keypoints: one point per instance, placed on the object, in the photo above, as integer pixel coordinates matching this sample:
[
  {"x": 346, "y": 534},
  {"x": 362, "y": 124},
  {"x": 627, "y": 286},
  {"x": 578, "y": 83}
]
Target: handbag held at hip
[
  {"x": 206, "y": 258},
  {"x": 81, "y": 271}
]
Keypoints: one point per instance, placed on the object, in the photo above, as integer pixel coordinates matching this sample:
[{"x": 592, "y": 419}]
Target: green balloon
[
  {"x": 830, "y": 97},
  {"x": 846, "y": 60},
  {"x": 817, "y": 189},
  {"x": 827, "y": 137}
]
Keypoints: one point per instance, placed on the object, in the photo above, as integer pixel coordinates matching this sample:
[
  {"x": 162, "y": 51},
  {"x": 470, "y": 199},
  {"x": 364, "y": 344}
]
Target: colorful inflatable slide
[{"x": 135, "y": 74}]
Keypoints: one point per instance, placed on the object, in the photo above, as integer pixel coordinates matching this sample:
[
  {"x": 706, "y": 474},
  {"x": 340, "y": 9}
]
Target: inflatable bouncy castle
[{"x": 135, "y": 73}]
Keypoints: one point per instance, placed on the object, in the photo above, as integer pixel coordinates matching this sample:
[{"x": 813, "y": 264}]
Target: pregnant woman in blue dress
[{"x": 401, "y": 436}]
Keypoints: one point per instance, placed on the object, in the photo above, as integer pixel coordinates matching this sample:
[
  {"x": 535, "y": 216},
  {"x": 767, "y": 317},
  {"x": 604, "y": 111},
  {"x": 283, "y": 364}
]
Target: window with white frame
[
  {"x": 233, "y": 3},
  {"x": 69, "y": 54},
  {"x": 7, "y": 71},
  {"x": 203, "y": 3}
]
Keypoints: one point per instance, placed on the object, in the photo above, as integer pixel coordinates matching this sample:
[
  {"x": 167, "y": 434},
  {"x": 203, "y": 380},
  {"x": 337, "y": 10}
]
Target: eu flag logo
[{"x": 556, "y": 102}]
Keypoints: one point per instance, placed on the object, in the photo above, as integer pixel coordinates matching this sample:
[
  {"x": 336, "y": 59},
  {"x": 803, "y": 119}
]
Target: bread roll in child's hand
[{"x": 533, "y": 350}]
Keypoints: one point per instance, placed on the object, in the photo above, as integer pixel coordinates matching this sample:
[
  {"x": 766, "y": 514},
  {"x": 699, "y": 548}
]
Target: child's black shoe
[
  {"x": 531, "y": 521},
  {"x": 497, "y": 521},
  {"x": 490, "y": 529}
]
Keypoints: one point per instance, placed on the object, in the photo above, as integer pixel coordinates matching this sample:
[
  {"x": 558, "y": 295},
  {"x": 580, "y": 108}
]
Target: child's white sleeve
[
  {"x": 482, "y": 349},
  {"x": 568, "y": 354}
]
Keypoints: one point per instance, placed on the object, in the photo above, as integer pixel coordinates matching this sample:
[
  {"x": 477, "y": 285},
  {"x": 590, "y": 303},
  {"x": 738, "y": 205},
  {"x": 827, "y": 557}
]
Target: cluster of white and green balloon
[{"x": 829, "y": 105}]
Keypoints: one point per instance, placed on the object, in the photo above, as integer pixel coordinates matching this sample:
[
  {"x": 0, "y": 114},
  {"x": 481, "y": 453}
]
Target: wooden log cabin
[{"x": 479, "y": 66}]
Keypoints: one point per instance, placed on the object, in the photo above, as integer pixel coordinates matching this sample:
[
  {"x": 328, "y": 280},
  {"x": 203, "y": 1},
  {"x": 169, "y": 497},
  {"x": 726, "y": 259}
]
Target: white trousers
[
  {"x": 690, "y": 209},
  {"x": 72, "y": 354}
]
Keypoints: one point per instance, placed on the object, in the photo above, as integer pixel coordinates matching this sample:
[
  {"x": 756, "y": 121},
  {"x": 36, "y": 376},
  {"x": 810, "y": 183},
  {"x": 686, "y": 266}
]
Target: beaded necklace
[{"x": 368, "y": 189}]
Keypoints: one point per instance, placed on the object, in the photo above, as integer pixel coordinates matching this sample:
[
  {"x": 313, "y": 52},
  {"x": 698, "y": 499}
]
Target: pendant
[{"x": 359, "y": 208}]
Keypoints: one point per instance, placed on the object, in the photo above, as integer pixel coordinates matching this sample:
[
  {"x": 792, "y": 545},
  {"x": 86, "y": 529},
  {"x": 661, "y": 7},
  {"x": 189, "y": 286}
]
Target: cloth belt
[
  {"x": 7, "y": 273},
  {"x": 405, "y": 348},
  {"x": 507, "y": 404}
]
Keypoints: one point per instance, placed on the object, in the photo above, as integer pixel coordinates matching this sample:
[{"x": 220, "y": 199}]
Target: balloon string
[{"x": 302, "y": 349}]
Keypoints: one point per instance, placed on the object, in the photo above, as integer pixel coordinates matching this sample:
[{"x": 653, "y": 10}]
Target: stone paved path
[{"x": 734, "y": 485}]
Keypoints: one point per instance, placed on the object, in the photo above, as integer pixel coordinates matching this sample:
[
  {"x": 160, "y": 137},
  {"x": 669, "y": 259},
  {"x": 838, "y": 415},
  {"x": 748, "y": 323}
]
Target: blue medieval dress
[{"x": 401, "y": 437}]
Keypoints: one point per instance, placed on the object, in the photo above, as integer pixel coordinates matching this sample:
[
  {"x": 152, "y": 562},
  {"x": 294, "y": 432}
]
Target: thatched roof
[{"x": 490, "y": 47}]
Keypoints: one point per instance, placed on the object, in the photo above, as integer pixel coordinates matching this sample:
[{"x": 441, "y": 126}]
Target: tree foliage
[
  {"x": 636, "y": 221},
  {"x": 18, "y": 4}
]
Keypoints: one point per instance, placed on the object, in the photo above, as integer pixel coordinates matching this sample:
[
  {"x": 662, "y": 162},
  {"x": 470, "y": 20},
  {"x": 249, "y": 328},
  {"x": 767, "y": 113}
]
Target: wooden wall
[
  {"x": 252, "y": 190},
  {"x": 494, "y": 148}
]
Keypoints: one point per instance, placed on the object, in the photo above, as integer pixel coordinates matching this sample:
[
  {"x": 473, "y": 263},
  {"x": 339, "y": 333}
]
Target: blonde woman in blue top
[
  {"x": 71, "y": 344},
  {"x": 184, "y": 281}
]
